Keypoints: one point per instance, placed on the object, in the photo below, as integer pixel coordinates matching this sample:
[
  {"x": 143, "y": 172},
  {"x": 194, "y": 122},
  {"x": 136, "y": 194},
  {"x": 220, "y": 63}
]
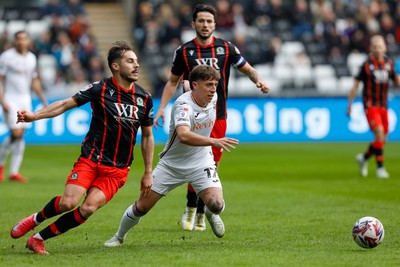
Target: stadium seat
[
  {"x": 283, "y": 73},
  {"x": 36, "y": 27},
  {"x": 15, "y": 25},
  {"x": 327, "y": 86},
  {"x": 354, "y": 61},
  {"x": 47, "y": 67},
  {"x": 344, "y": 85},
  {"x": 291, "y": 48},
  {"x": 2, "y": 26},
  {"x": 303, "y": 76},
  {"x": 323, "y": 71},
  {"x": 263, "y": 70}
]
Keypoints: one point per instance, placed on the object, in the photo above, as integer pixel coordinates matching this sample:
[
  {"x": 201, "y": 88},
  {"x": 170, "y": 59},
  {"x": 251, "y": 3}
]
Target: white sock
[
  {"x": 128, "y": 221},
  {"x": 17, "y": 156},
  {"x": 34, "y": 218},
  {"x": 5, "y": 150},
  {"x": 38, "y": 236}
]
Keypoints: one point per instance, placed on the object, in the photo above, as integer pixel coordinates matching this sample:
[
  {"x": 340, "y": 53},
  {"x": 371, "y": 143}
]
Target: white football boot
[
  {"x": 200, "y": 222},
  {"x": 188, "y": 218},
  {"x": 217, "y": 225},
  {"x": 362, "y": 165},
  {"x": 382, "y": 173},
  {"x": 114, "y": 242}
]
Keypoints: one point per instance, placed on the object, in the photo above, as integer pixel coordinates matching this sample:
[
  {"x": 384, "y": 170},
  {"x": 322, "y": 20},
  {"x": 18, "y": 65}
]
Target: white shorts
[
  {"x": 167, "y": 178},
  {"x": 10, "y": 118}
]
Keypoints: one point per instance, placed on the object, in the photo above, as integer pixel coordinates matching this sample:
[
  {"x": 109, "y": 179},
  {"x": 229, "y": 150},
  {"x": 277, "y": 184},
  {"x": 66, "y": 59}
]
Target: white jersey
[
  {"x": 18, "y": 70},
  {"x": 201, "y": 121}
]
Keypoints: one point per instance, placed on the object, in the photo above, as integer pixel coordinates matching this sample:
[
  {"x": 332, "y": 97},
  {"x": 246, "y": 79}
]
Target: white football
[{"x": 368, "y": 232}]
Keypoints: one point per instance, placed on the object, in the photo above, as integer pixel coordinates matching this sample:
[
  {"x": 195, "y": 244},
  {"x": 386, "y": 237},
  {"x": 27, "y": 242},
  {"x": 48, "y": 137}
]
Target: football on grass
[{"x": 368, "y": 232}]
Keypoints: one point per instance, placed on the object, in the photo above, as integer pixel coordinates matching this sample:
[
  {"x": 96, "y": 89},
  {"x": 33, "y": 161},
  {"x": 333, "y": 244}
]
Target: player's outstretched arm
[
  {"x": 49, "y": 111},
  {"x": 187, "y": 137},
  {"x": 248, "y": 70},
  {"x": 167, "y": 95}
]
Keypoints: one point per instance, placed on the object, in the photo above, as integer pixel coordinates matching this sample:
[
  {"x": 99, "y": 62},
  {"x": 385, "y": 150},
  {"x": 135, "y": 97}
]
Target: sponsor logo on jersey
[
  {"x": 203, "y": 125},
  {"x": 112, "y": 92},
  {"x": 126, "y": 112},
  {"x": 212, "y": 62}
]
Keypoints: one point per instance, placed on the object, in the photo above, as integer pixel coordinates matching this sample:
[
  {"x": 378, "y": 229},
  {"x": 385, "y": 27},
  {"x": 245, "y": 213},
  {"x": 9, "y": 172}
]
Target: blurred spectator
[
  {"x": 301, "y": 19},
  {"x": 63, "y": 51},
  {"x": 55, "y": 7}
]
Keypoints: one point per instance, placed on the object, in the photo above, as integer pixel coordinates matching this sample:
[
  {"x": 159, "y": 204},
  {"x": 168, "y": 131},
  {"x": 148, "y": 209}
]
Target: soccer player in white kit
[
  {"x": 187, "y": 153},
  {"x": 18, "y": 75}
]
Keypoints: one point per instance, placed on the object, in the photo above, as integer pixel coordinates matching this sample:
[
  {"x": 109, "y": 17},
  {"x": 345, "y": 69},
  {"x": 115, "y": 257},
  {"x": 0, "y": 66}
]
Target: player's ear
[{"x": 115, "y": 66}]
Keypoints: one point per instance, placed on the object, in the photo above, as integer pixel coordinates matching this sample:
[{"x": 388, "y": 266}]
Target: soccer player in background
[
  {"x": 18, "y": 75},
  {"x": 375, "y": 74},
  {"x": 221, "y": 55},
  {"x": 187, "y": 155},
  {"x": 120, "y": 107}
]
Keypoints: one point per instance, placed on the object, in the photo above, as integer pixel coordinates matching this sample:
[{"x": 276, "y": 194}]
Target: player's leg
[
  {"x": 188, "y": 217},
  {"x": 214, "y": 205},
  {"x": 164, "y": 181},
  {"x": 380, "y": 134},
  {"x": 209, "y": 188},
  {"x": 132, "y": 216},
  {"x": 218, "y": 131},
  {"x": 362, "y": 158},
  {"x": 75, "y": 188},
  {"x": 378, "y": 121},
  {"x": 17, "y": 136},
  {"x": 6, "y": 147}
]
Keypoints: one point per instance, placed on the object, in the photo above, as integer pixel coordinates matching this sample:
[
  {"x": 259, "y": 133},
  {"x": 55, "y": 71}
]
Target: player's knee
[
  {"x": 216, "y": 205},
  {"x": 87, "y": 210},
  {"x": 67, "y": 204}
]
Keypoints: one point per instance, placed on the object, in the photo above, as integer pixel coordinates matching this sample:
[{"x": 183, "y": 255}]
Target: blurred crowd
[
  {"x": 68, "y": 56},
  {"x": 329, "y": 29}
]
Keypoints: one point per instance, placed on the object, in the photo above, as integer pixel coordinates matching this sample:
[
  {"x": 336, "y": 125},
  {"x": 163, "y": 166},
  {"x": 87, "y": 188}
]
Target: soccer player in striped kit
[
  {"x": 221, "y": 55},
  {"x": 375, "y": 74},
  {"x": 120, "y": 107},
  {"x": 187, "y": 156}
]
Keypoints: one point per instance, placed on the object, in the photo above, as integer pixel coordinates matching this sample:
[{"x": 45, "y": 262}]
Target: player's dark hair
[
  {"x": 204, "y": 8},
  {"x": 203, "y": 73},
  {"x": 117, "y": 51},
  {"x": 19, "y": 32}
]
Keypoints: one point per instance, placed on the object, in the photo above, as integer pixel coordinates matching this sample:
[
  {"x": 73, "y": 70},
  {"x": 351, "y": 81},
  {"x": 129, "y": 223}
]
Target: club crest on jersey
[
  {"x": 74, "y": 176},
  {"x": 220, "y": 51},
  {"x": 139, "y": 101}
]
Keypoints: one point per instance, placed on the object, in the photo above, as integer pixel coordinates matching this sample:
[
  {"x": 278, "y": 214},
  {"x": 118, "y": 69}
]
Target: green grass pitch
[{"x": 286, "y": 205}]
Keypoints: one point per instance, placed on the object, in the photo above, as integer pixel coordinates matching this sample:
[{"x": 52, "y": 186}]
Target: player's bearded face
[
  {"x": 204, "y": 25},
  {"x": 129, "y": 67}
]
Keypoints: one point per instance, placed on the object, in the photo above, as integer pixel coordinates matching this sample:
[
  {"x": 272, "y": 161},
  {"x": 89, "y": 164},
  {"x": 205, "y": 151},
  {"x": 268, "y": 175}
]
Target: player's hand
[
  {"x": 24, "y": 116},
  {"x": 160, "y": 114},
  {"x": 263, "y": 86},
  {"x": 186, "y": 85},
  {"x": 146, "y": 183},
  {"x": 226, "y": 143}
]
